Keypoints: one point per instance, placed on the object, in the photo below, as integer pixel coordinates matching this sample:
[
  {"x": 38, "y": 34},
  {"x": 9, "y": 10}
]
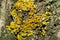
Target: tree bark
[{"x": 5, "y": 9}]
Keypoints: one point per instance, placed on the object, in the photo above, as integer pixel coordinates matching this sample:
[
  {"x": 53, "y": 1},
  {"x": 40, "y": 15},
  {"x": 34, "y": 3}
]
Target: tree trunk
[{"x": 4, "y": 10}]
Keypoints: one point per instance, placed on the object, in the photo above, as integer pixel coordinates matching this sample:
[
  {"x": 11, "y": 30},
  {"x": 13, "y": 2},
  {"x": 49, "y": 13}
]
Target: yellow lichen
[{"x": 23, "y": 26}]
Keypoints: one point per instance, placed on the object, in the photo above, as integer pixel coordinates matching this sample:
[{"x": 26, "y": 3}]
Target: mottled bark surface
[
  {"x": 3, "y": 14},
  {"x": 53, "y": 27}
]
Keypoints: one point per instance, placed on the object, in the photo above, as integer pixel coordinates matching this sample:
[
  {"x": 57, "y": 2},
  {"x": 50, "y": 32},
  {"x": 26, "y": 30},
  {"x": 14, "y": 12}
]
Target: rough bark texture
[
  {"x": 4, "y": 10},
  {"x": 53, "y": 30},
  {"x": 3, "y": 14}
]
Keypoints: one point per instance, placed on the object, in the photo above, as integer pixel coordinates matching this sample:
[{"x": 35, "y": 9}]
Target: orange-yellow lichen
[{"x": 23, "y": 26}]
